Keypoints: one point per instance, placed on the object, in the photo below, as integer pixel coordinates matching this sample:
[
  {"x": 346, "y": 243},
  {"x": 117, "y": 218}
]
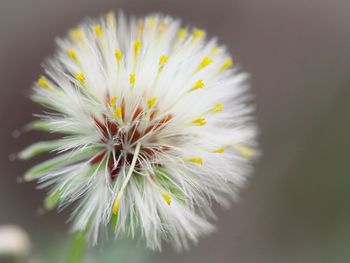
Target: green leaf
[
  {"x": 77, "y": 249},
  {"x": 38, "y": 148},
  {"x": 59, "y": 161}
]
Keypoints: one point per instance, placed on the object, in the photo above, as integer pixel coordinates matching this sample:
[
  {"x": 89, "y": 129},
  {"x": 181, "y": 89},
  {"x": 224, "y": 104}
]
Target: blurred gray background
[{"x": 296, "y": 207}]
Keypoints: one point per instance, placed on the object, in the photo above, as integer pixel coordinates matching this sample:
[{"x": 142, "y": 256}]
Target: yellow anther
[
  {"x": 113, "y": 101},
  {"x": 73, "y": 55},
  {"x": 219, "y": 150},
  {"x": 80, "y": 77},
  {"x": 245, "y": 151},
  {"x": 198, "y": 33},
  {"x": 118, "y": 114},
  {"x": 110, "y": 17},
  {"x": 42, "y": 82},
  {"x": 216, "y": 108},
  {"x": 116, "y": 205},
  {"x": 163, "y": 26},
  {"x": 98, "y": 30},
  {"x": 118, "y": 55},
  {"x": 195, "y": 160},
  {"x": 199, "y": 121},
  {"x": 163, "y": 60},
  {"x": 137, "y": 47},
  {"x": 227, "y": 64},
  {"x": 205, "y": 62},
  {"x": 166, "y": 197},
  {"x": 151, "y": 102},
  {"x": 132, "y": 79},
  {"x": 152, "y": 21},
  {"x": 182, "y": 33},
  {"x": 76, "y": 34},
  {"x": 215, "y": 50},
  {"x": 198, "y": 85}
]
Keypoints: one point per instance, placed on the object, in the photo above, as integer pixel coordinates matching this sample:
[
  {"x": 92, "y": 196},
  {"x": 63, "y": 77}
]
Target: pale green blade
[
  {"x": 59, "y": 161},
  {"x": 38, "y": 148}
]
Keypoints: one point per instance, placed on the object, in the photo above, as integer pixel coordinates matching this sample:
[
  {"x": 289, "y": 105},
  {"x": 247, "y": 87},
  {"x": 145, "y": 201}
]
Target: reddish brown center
[{"x": 114, "y": 137}]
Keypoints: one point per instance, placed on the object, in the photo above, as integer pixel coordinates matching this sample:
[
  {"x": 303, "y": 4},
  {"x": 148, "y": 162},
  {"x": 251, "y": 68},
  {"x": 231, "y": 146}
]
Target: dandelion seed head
[{"x": 156, "y": 124}]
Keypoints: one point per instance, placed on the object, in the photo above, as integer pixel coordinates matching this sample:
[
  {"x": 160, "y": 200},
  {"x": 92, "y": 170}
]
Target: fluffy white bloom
[{"x": 156, "y": 126}]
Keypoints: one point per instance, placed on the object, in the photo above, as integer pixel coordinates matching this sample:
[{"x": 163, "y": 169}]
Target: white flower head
[{"x": 156, "y": 124}]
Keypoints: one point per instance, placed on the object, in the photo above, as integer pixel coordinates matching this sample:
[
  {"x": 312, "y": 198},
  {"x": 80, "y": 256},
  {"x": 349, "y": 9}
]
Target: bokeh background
[{"x": 296, "y": 207}]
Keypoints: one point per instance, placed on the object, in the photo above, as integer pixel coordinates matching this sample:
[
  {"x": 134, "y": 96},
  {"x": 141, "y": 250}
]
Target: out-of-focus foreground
[{"x": 296, "y": 206}]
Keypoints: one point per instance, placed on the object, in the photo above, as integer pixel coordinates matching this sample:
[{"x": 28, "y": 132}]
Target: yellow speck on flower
[
  {"x": 166, "y": 197},
  {"x": 199, "y": 121},
  {"x": 152, "y": 21},
  {"x": 163, "y": 60},
  {"x": 227, "y": 64},
  {"x": 196, "y": 160},
  {"x": 110, "y": 17},
  {"x": 198, "y": 85},
  {"x": 198, "y": 33},
  {"x": 204, "y": 63},
  {"x": 98, "y": 30},
  {"x": 118, "y": 55},
  {"x": 219, "y": 150},
  {"x": 182, "y": 33},
  {"x": 132, "y": 78},
  {"x": 118, "y": 114},
  {"x": 137, "y": 47},
  {"x": 151, "y": 102},
  {"x": 76, "y": 34},
  {"x": 73, "y": 55},
  {"x": 215, "y": 50},
  {"x": 217, "y": 108},
  {"x": 244, "y": 150},
  {"x": 42, "y": 82},
  {"x": 113, "y": 101},
  {"x": 80, "y": 77}
]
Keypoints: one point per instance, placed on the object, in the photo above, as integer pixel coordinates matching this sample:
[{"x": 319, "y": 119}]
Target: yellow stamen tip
[
  {"x": 182, "y": 33},
  {"x": 196, "y": 160},
  {"x": 227, "y": 64},
  {"x": 198, "y": 85},
  {"x": 215, "y": 50},
  {"x": 217, "y": 108},
  {"x": 198, "y": 33},
  {"x": 219, "y": 150},
  {"x": 245, "y": 151},
  {"x": 80, "y": 77},
  {"x": 137, "y": 46},
  {"x": 118, "y": 113},
  {"x": 113, "y": 101},
  {"x": 42, "y": 82},
  {"x": 98, "y": 30},
  {"x": 167, "y": 198},
  {"x": 72, "y": 54},
  {"x": 76, "y": 34},
  {"x": 110, "y": 17},
  {"x": 163, "y": 60},
  {"x": 132, "y": 79},
  {"x": 118, "y": 55},
  {"x": 152, "y": 21},
  {"x": 199, "y": 121},
  {"x": 204, "y": 63},
  {"x": 151, "y": 102}
]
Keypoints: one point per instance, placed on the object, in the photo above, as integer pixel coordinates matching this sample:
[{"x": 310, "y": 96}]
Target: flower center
[{"x": 121, "y": 137}]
